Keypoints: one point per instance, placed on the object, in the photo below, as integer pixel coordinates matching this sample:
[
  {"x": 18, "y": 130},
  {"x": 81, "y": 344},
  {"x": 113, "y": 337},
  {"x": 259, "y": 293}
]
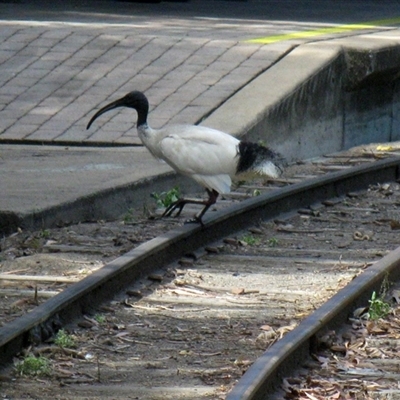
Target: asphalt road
[{"x": 279, "y": 12}]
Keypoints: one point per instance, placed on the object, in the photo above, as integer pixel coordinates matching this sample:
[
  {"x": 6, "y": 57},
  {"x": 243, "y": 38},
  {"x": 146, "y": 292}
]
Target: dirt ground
[{"x": 191, "y": 329}]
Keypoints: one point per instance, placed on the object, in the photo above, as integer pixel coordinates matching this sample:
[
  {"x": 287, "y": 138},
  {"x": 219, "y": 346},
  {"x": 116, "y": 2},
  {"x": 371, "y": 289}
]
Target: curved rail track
[{"x": 174, "y": 290}]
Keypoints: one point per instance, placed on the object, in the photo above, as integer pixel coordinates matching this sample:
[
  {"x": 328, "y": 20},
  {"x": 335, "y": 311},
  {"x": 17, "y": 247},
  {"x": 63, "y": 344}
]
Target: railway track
[{"x": 185, "y": 314}]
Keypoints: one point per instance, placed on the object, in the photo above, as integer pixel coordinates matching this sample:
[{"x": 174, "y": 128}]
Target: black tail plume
[{"x": 252, "y": 154}]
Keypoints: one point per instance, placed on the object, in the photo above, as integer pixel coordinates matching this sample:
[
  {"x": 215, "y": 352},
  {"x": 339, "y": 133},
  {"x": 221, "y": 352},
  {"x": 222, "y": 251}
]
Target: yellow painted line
[{"x": 325, "y": 31}]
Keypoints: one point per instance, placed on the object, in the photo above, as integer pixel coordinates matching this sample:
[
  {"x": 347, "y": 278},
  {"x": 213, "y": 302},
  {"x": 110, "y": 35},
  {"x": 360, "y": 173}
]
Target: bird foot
[
  {"x": 179, "y": 204},
  {"x": 194, "y": 220}
]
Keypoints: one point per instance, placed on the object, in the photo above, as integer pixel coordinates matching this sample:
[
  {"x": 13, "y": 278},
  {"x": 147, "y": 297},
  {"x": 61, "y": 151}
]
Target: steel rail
[
  {"x": 262, "y": 379},
  {"x": 82, "y": 297}
]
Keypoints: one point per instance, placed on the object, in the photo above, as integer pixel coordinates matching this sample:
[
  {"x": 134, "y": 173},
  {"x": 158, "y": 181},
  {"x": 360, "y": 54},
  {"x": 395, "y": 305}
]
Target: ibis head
[{"x": 136, "y": 100}]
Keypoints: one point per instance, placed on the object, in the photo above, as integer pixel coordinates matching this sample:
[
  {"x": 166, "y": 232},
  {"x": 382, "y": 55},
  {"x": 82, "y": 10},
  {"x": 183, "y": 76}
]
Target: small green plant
[
  {"x": 34, "y": 366},
  {"x": 63, "y": 339},
  {"x": 262, "y": 143},
  {"x": 256, "y": 192},
  {"x": 346, "y": 203},
  {"x": 35, "y": 243},
  {"x": 165, "y": 199},
  {"x": 251, "y": 240},
  {"x": 272, "y": 242},
  {"x": 100, "y": 318},
  {"x": 45, "y": 233},
  {"x": 129, "y": 216},
  {"x": 378, "y": 308}
]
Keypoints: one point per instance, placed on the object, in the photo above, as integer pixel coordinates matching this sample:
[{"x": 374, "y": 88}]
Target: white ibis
[{"x": 211, "y": 157}]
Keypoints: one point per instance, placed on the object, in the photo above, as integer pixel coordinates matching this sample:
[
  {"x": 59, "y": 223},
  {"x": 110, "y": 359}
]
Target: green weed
[
  {"x": 63, "y": 339},
  {"x": 100, "y": 318},
  {"x": 44, "y": 233},
  {"x": 378, "y": 308},
  {"x": 165, "y": 199},
  {"x": 250, "y": 240},
  {"x": 272, "y": 242},
  {"x": 34, "y": 366},
  {"x": 129, "y": 217},
  {"x": 262, "y": 143}
]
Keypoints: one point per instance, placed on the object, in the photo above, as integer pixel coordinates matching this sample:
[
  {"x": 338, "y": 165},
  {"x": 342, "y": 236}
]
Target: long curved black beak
[{"x": 108, "y": 107}]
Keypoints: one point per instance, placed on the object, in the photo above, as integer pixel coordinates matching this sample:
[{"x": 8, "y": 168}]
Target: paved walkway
[
  {"x": 54, "y": 75},
  {"x": 58, "y": 65}
]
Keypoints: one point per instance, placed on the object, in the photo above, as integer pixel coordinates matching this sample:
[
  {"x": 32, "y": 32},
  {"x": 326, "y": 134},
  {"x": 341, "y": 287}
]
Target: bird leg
[
  {"x": 180, "y": 203},
  {"x": 212, "y": 198}
]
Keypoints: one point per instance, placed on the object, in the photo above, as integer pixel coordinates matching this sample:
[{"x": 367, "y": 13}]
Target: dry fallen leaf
[
  {"x": 360, "y": 312},
  {"x": 358, "y": 235},
  {"x": 394, "y": 224},
  {"x": 266, "y": 339},
  {"x": 396, "y": 296},
  {"x": 383, "y": 147},
  {"x": 266, "y": 328},
  {"x": 238, "y": 291},
  {"x": 155, "y": 277}
]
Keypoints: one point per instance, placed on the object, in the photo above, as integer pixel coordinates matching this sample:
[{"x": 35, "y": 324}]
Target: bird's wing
[{"x": 207, "y": 155}]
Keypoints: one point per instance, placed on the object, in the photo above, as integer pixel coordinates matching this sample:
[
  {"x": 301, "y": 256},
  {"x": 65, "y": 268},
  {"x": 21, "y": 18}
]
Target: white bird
[{"x": 211, "y": 157}]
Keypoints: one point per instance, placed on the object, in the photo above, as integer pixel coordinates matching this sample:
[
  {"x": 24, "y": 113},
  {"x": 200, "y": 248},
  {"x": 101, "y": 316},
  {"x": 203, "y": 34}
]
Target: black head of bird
[
  {"x": 210, "y": 157},
  {"x": 136, "y": 100}
]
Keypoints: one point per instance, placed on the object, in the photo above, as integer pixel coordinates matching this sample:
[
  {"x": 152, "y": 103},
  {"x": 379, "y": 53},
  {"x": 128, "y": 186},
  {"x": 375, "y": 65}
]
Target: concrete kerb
[
  {"x": 48, "y": 186},
  {"x": 267, "y": 108},
  {"x": 107, "y": 204},
  {"x": 320, "y": 98}
]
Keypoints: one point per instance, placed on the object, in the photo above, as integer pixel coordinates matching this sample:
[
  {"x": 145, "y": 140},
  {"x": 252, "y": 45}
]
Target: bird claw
[
  {"x": 194, "y": 220},
  {"x": 179, "y": 204}
]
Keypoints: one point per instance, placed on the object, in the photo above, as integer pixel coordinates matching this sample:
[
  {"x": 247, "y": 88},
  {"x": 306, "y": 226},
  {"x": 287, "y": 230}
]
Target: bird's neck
[
  {"x": 142, "y": 109},
  {"x": 150, "y": 138},
  {"x": 142, "y": 120},
  {"x": 144, "y": 131}
]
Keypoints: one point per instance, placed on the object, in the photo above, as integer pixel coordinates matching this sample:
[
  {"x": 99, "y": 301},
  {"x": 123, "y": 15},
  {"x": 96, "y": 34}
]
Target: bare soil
[{"x": 191, "y": 329}]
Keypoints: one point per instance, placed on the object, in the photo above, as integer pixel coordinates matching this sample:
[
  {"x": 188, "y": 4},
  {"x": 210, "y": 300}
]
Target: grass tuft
[{"x": 34, "y": 366}]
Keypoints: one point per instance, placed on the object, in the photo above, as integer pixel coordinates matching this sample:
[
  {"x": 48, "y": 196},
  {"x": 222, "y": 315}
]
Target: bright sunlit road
[{"x": 242, "y": 20}]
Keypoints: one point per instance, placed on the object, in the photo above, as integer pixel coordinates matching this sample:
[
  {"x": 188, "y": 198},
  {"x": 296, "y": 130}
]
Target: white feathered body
[{"x": 207, "y": 155}]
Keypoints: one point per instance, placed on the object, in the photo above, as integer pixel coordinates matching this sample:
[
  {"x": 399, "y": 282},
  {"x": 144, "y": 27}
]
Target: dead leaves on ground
[{"x": 353, "y": 365}]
